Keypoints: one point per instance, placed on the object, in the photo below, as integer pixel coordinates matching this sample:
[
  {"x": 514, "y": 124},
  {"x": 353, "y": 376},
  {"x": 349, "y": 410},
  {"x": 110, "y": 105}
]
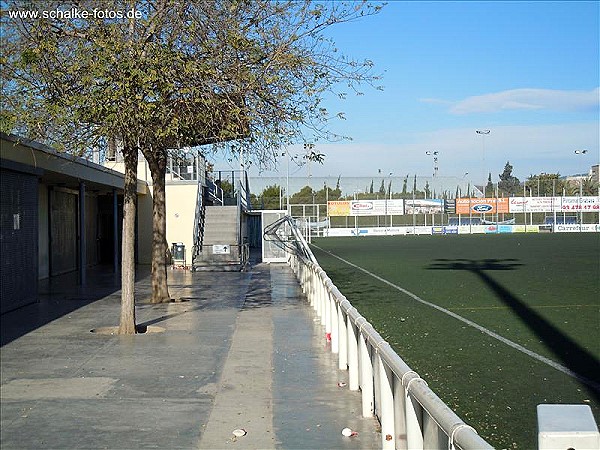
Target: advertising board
[
  {"x": 424, "y": 206},
  {"x": 576, "y": 228},
  {"x": 481, "y": 205},
  {"x": 338, "y": 208},
  {"x": 553, "y": 204},
  {"x": 393, "y": 207},
  {"x": 583, "y": 204}
]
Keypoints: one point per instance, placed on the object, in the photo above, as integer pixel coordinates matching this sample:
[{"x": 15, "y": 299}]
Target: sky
[{"x": 526, "y": 71}]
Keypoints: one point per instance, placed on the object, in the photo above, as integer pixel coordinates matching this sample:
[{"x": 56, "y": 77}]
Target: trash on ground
[
  {"x": 341, "y": 384},
  {"x": 239, "y": 432},
  {"x": 349, "y": 433}
]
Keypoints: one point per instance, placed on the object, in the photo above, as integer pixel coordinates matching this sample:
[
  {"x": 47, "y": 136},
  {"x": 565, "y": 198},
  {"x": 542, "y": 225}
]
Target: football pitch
[{"x": 496, "y": 324}]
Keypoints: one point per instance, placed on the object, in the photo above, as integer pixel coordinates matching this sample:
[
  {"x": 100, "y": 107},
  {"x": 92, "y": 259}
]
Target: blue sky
[{"x": 526, "y": 71}]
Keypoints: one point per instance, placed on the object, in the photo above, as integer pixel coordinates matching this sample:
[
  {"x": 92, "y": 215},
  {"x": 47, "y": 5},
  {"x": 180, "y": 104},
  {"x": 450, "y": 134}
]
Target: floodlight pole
[
  {"x": 580, "y": 152},
  {"x": 387, "y": 208},
  {"x": 287, "y": 183},
  {"x": 483, "y": 133},
  {"x": 435, "y": 161}
]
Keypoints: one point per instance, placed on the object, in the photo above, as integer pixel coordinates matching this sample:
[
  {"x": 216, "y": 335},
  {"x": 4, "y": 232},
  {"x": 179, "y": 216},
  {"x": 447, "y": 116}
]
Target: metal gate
[{"x": 270, "y": 251}]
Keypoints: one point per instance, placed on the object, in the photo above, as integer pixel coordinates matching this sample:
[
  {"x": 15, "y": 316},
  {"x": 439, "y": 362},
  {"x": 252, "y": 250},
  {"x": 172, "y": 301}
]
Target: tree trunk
[
  {"x": 160, "y": 290},
  {"x": 127, "y": 322}
]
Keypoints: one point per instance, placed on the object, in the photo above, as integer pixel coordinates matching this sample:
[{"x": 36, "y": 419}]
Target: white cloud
[
  {"x": 530, "y": 149},
  {"x": 529, "y": 99}
]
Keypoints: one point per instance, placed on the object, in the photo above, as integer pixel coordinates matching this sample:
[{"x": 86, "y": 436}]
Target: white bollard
[{"x": 567, "y": 427}]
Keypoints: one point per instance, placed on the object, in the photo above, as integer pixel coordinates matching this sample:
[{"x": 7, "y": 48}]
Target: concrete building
[
  {"x": 63, "y": 214},
  {"x": 59, "y": 214}
]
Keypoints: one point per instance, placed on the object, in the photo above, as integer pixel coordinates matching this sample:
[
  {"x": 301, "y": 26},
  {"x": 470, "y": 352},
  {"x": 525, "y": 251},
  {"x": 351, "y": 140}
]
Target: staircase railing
[
  {"x": 199, "y": 217},
  {"x": 243, "y": 206},
  {"x": 214, "y": 193}
]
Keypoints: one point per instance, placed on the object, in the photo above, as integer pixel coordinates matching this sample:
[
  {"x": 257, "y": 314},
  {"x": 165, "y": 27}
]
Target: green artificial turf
[{"x": 541, "y": 291}]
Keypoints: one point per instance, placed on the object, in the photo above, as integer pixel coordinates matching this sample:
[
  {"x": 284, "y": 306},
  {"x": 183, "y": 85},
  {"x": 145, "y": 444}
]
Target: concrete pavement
[{"x": 243, "y": 350}]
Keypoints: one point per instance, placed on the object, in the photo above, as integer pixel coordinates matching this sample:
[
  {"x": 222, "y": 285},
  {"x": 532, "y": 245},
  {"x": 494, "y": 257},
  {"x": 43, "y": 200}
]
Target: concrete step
[{"x": 220, "y": 228}]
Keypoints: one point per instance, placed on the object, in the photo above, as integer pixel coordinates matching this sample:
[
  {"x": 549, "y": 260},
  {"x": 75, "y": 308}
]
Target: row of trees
[
  {"x": 544, "y": 184},
  {"x": 245, "y": 76}
]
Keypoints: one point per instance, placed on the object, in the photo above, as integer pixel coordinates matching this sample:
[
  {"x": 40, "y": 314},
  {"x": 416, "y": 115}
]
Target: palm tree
[
  {"x": 589, "y": 186},
  {"x": 584, "y": 186}
]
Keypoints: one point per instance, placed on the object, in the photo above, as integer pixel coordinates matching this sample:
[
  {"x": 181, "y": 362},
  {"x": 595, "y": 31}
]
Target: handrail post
[
  {"x": 433, "y": 436},
  {"x": 352, "y": 356},
  {"x": 366, "y": 378},
  {"x": 414, "y": 418},
  {"x": 327, "y": 307},
  {"x": 335, "y": 329},
  {"x": 343, "y": 339},
  {"x": 386, "y": 409},
  {"x": 399, "y": 415}
]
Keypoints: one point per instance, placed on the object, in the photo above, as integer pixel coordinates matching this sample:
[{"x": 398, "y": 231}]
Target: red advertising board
[{"x": 481, "y": 205}]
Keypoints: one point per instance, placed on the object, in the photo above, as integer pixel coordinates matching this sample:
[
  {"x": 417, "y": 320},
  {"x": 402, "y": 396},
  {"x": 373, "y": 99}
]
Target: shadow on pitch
[{"x": 576, "y": 358}]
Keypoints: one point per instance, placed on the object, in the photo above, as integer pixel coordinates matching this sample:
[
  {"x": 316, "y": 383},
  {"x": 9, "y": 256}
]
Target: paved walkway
[{"x": 241, "y": 351}]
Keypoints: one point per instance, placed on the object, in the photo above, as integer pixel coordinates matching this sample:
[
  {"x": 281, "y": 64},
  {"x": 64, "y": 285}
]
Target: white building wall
[{"x": 181, "y": 209}]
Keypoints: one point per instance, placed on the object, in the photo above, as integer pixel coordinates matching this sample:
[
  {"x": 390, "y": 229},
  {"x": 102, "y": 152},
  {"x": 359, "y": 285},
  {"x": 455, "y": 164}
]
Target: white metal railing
[{"x": 411, "y": 415}]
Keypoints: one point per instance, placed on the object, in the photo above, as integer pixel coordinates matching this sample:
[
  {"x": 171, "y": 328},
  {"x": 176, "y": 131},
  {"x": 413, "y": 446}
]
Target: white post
[
  {"x": 335, "y": 329},
  {"x": 343, "y": 340},
  {"x": 414, "y": 414},
  {"x": 327, "y": 305},
  {"x": 366, "y": 378},
  {"x": 399, "y": 415},
  {"x": 352, "y": 356},
  {"x": 326, "y": 308},
  {"x": 386, "y": 409}
]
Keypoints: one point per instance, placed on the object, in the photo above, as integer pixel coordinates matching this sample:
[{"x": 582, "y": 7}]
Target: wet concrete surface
[{"x": 243, "y": 350}]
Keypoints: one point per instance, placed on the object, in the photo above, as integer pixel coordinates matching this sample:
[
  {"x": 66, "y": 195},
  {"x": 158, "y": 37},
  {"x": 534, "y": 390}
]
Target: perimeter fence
[{"x": 411, "y": 415}]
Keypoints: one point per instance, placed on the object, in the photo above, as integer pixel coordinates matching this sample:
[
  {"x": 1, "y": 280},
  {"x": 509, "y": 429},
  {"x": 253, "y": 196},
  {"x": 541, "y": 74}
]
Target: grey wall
[{"x": 18, "y": 239}]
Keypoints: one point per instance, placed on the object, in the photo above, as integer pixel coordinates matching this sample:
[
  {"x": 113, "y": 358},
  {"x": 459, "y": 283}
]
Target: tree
[
  {"x": 181, "y": 73},
  {"x": 404, "y": 187},
  {"x": 270, "y": 197},
  {"x": 303, "y": 197},
  {"x": 590, "y": 187},
  {"x": 584, "y": 186},
  {"x": 509, "y": 184},
  {"x": 382, "y": 188},
  {"x": 489, "y": 187},
  {"x": 546, "y": 184},
  {"x": 371, "y": 188},
  {"x": 427, "y": 190}
]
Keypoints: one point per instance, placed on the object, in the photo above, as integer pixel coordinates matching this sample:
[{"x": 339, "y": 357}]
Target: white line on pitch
[{"x": 490, "y": 333}]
